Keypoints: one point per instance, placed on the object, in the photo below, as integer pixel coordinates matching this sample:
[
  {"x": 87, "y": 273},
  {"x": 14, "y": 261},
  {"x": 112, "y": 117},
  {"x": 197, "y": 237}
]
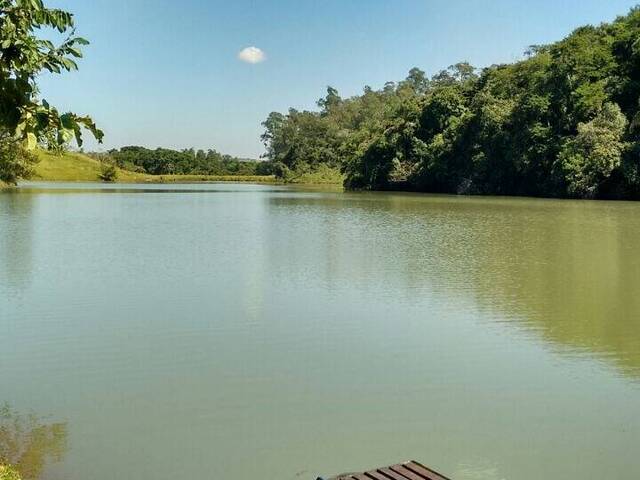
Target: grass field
[{"x": 76, "y": 167}]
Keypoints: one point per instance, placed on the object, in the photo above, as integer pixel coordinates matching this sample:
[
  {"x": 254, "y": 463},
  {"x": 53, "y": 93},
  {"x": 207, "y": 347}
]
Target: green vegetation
[
  {"x": 564, "y": 122},
  {"x": 78, "y": 167},
  {"x": 108, "y": 172},
  {"x": 26, "y": 443},
  {"x": 322, "y": 174},
  {"x": 15, "y": 162},
  {"x": 25, "y": 119},
  {"x": 8, "y": 473},
  {"x": 72, "y": 167},
  {"x": 163, "y": 161}
]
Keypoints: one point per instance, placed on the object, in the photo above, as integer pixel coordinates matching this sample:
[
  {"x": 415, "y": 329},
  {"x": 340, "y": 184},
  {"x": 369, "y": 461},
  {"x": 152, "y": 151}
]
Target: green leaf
[
  {"x": 69, "y": 64},
  {"x": 66, "y": 135},
  {"x": 31, "y": 141},
  {"x": 75, "y": 52},
  {"x": 20, "y": 128}
]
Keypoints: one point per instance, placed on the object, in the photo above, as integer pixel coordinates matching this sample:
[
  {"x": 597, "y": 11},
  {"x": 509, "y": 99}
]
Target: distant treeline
[
  {"x": 163, "y": 161},
  {"x": 563, "y": 122}
]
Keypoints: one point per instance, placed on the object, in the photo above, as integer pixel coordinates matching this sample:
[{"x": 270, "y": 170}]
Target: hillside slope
[{"x": 74, "y": 167}]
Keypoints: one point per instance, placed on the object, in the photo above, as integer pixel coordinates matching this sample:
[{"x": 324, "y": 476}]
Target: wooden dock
[{"x": 403, "y": 471}]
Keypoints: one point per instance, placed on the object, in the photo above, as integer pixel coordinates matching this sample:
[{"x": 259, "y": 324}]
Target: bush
[
  {"x": 15, "y": 162},
  {"x": 8, "y": 473},
  {"x": 108, "y": 173}
]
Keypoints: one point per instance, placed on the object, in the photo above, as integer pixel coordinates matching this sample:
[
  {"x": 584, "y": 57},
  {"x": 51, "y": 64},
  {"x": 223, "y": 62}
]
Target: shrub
[
  {"x": 108, "y": 172},
  {"x": 8, "y": 473},
  {"x": 15, "y": 162}
]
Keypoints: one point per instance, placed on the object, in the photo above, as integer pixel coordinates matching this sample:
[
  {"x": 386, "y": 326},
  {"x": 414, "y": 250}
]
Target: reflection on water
[
  {"x": 567, "y": 270},
  {"x": 571, "y": 273},
  {"x": 28, "y": 442},
  {"x": 185, "y": 329},
  {"x": 16, "y": 217},
  {"x": 477, "y": 469}
]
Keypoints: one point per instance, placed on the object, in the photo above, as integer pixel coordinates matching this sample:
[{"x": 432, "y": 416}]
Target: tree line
[
  {"x": 562, "y": 122},
  {"x": 164, "y": 161}
]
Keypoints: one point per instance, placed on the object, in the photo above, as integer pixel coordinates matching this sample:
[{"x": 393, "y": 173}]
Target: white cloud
[{"x": 252, "y": 55}]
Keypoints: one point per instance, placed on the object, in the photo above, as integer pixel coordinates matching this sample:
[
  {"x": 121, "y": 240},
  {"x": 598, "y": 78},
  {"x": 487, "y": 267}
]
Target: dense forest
[
  {"x": 562, "y": 122},
  {"x": 163, "y": 161}
]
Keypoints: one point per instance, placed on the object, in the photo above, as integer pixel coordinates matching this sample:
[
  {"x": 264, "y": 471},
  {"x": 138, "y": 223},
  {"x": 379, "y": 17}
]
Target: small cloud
[{"x": 252, "y": 55}]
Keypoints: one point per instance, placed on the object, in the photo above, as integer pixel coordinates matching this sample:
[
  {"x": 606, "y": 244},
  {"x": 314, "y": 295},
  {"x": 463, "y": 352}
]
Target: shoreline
[{"x": 166, "y": 179}]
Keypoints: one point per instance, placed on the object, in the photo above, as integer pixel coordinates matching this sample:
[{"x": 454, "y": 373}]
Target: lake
[{"x": 250, "y": 331}]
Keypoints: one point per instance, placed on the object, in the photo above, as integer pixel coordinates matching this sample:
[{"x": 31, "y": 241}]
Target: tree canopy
[
  {"x": 564, "y": 121},
  {"x": 164, "y": 161}
]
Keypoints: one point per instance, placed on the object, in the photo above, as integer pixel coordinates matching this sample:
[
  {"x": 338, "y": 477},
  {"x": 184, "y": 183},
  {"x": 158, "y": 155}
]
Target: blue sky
[{"x": 166, "y": 72}]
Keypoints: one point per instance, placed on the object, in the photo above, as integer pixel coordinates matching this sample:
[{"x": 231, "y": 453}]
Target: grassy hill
[{"x": 76, "y": 167}]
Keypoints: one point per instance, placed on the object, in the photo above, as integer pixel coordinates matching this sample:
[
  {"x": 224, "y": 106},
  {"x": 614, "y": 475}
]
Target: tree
[
  {"x": 441, "y": 109},
  {"x": 417, "y": 81},
  {"x": 25, "y": 119},
  {"x": 330, "y": 101},
  {"x": 590, "y": 157},
  {"x": 301, "y": 139},
  {"x": 272, "y": 137}
]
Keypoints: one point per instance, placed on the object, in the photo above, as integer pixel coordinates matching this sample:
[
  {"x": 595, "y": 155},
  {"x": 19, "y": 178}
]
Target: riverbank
[
  {"x": 77, "y": 167},
  {"x": 320, "y": 175}
]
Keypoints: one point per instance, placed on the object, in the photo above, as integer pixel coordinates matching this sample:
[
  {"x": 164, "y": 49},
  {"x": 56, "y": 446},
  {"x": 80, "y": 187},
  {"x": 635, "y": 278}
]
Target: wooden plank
[
  {"x": 375, "y": 475},
  {"x": 423, "y": 471},
  {"x": 404, "y": 471},
  {"x": 392, "y": 475}
]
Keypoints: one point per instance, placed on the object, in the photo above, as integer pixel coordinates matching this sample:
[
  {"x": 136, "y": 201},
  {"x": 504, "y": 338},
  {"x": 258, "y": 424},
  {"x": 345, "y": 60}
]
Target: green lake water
[{"x": 230, "y": 331}]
